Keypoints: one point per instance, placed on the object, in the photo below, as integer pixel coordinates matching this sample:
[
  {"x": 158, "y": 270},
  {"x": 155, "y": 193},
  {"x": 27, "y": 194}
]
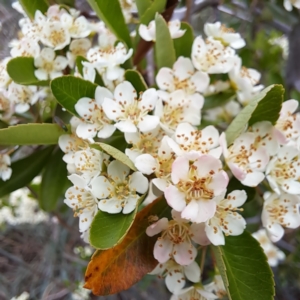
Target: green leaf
[
  {"x": 24, "y": 170},
  {"x": 164, "y": 47},
  {"x": 183, "y": 45},
  {"x": 31, "y": 6},
  {"x": 219, "y": 99},
  {"x": 108, "y": 230},
  {"x": 115, "y": 153},
  {"x": 70, "y": 3},
  {"x": 244, "y": 268},
  {"x": 142, "y": 6},
  {"x": 21, "y": 70},
  {"x": 117, "y": 140},
  {"x": 53, "y": 182},
  {"x": 98, "y": 78},
  {"x": 263, "y": 107},
  {"x": 111, "y": 13},
  {"x": 235, "y": 184},
  {"x": 31, "y": 134},
  {"x": 69, "y": 89},
  {"x": 157, "y": 6},
  {"x": 136, "y": 79}
]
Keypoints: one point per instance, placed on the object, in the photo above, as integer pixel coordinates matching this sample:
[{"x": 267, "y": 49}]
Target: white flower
[
  {"x": 24, "y": 47},
  {"x": 226, "y": 35},
  {"x": 24, "y": 295},
  {"x": 217, "y": 287},
  {"x": 4, "y": 77},
  {"x": 280, "y": 211},
  {"x": 159, "y": 164},
  {"x": 245, "y": 160},
  {"x": 194, "y": 293},
  {"x": 130, "y": 112},
  {"x": 94, "y": 121},
  {"x": 212, "y": 56},
  {"x": 78, "y": 28},
  {"x": 288, "y": 4},
  {"x": 119, "y": 190},
  {"x": 283, "y": 171},
  {"x": 148, "y": 33},
  {"x": 5, "y": 170},
  {"x": 175, "y": 240},
  {"x": 106, "y": 39},
  {"x": 78, "y": 47},
  {"x": 127, "y": 7},
  {"x": 226, "y": 219},
  {"x": 175, "y": 274},
  {"x": 194, "y": 187},
  {"x": 192, "y": 142},
  {"x": 48, "y": 66},
  {"x": 182, "y": 77},
  {"x": 84, "y": 203},
  {"x": 273, "y": 253}
]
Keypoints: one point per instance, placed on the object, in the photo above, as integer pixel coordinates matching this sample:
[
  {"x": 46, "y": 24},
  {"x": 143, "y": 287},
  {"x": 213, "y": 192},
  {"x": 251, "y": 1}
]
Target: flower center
[{"x": 177, "y": 232}]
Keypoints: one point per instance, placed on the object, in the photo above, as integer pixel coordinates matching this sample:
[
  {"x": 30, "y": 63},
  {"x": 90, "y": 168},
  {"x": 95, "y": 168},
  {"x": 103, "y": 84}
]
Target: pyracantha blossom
[
  {"x": 194, "y": 187},
  {"x": 143, "y": 142},
  {"x": 148, "y": 33},
  {"x": 226, "y": 35},
  {"x": 177, "y": 107},
  {"x": 4, "y": 77},
  {"x": 129, "y": 111},
  {"x": 81, "y": 199},
  {"x": 283, "y": 170},
  {"x": 24, "y": 47},
  {"x": 5, "y": 170},
  {"x": 288, "y": 4},
  {"x": 226, "y": 220},
  {"x": 280, "y": 211},
  {"x": 119, "y": 190},
  {"x": 182, "y": 77},
  {"x": 94, "y": 121},
  {"x": 288, "y": 122},
  {"x": 244, "y": 81},
  {"x": 106, "y": 39},
  {"x": 212, "y": 56},
  {"x": 192, "y": 142},
  {"x": 48, "y": 66},
  {"x": 175, "y": 274},
  {"x": 273, "y": 253},
  {"x": 160, "y": 164},
  {"x": 77, "y": 28},
  {"x": 246, "y": 162},
  {"x": 197, "y": 292},
  {"x": 127, "y": 7},
  {"x": 217, "y": 287},
  {"x": 175, "y": 240},
  {"x": 78, "y": 47},
  {"x": 216, "y": 87}
]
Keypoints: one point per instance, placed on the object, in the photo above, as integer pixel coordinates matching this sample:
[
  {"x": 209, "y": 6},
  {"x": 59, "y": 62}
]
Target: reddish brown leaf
[{"x": 118, "y": 268}]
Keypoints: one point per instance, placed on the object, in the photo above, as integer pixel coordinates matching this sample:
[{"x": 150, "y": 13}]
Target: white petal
[
  {"x": 175, "y": 281},
  {"x": 139, "y": 182},
  {"x": 175, "y": 198},
  {"x": 101, "y": 187},
  {"x": 117, "y": 171},
  {"x": 192, "y": 272},
  {"x": 146, "y": 163},
  {"x": 112, "y": 206},
  {"x": 148, "y": 123},
  {"x": 126, "y": 126}
]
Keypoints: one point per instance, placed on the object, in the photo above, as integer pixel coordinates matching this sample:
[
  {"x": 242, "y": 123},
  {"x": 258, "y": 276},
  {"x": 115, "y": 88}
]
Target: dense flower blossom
[
  {"x": 78, "y": 47},
  {"x": 194, "y": 187},
  {"x": 24, "y": 47},
  {"x": 119, "y": 190},
  {"x": 280, "y": 211}
]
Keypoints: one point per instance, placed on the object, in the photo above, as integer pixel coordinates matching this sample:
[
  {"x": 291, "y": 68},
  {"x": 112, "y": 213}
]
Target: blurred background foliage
[{"x": 43, "y": 254}]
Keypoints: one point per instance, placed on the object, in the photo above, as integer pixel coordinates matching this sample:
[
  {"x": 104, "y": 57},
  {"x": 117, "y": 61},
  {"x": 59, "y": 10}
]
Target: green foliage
[
  {"x": 219, "y": 99},
  {"x": 244, "y": 268},
  {"x": 164, "y": 47},
  {"x": 31, "y": 134},
  {"x": 21, "y": 70},
  {"x": 53, "y": 182},
  {"x": 157, "y": 6},
  {"x": 265, "y": 106},
  {"x": 31, "y": 6},
  {"x": 183, "y": 45},
  {"x": 142, "y": 6},
  {"x": 108, "y": 230},
  {"x": 24, "y": 170},
  {"x": 69, "y": 89},
  {"x": 111, "y": 13},
  {"x": 136, "y": 79}
]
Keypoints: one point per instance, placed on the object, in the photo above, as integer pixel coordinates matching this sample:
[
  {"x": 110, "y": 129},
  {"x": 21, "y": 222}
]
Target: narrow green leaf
[
  {"x": 142, "y": 6},
  {"x": 111, "y": 13},
  {"x": 157, "y": 6},
  {"x": 263, "y": 107},
  {"x": 219, "y": 99},
  {"x": 53, "y": 182},
  {"x": 24, "y": 170},
  {"x": 164, "y": 47},
  {"x": 108, "y": 230},
  {"x": 244, "y": 268},
  {"x": 69, "y": 89},
  {"x": 21, "y": 70},
  {"x": 136, "y": 79},
  {"x": 115, "y": 153},
  {"x": 31, "y": 6},
  {"x": 70, "y": 3},
  {"x": 183, "y": 45},
  {"x": 31, "y": 134}
]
